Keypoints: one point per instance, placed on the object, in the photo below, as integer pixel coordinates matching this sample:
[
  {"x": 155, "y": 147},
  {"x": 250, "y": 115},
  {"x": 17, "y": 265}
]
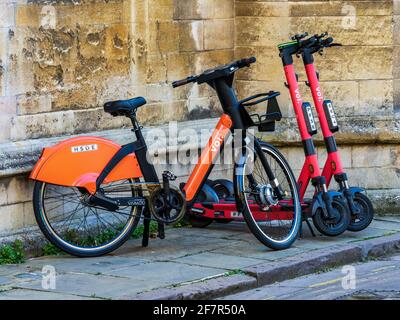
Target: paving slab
[
  {"x": 255, "y": 251},
  {"x": 373, "y": 277},
  {"x": 217, "y": 260},
  {"x": 88, "y": 285},
  {"x": 22, "y": 294},
  {"x": 97, "y": 265},
  {"x": 161, "y": 274}
]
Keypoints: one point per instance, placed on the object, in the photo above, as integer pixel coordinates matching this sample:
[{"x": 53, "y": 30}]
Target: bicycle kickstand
[
  {"x": 146, "y": 228},
  {"x": 311, "y": 229}
]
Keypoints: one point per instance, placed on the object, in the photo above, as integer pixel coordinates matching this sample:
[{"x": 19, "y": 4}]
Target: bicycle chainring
[{"x": 167, "y": 209}]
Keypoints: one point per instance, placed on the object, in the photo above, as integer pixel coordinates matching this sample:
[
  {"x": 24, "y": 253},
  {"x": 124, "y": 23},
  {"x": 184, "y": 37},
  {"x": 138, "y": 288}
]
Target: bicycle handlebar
[
  {"x": 246, "y": 62},
  {"x": 182, "y": 82}
]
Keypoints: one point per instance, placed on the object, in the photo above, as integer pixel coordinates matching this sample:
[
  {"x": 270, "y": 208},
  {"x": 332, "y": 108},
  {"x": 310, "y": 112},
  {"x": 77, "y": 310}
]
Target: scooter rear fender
[{"x": 77, "y": 162}]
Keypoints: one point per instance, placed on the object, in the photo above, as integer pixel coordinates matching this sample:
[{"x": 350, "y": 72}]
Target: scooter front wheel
[
  {"x": 332, "y": 227},
  {"x": 363, "y": 219}
]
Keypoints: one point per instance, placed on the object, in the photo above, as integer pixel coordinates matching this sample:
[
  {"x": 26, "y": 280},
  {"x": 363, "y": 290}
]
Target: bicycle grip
[
  {"x": 182, "y": 82},
  {"x": 246, "y": 62}
]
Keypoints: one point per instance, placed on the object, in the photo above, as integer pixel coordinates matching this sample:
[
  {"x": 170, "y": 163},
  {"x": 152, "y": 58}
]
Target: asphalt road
[{"x": 376, "y": 280}]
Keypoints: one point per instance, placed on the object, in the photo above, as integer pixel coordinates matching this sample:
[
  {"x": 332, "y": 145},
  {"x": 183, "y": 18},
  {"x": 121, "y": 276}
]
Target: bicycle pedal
[{"x": 169, "y": 175}]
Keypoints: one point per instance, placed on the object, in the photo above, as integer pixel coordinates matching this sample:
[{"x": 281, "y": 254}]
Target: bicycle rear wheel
[
  {"x": 78, "y": 228},
  {"x": 275, "y": 225}
]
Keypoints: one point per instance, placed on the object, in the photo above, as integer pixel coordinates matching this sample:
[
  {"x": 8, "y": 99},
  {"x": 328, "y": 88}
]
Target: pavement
[
  {"x": 371, "y": 280},
  {"x": 218, "y": 261}
]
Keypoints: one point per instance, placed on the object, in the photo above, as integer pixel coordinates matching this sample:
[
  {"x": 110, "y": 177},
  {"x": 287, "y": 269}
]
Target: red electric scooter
[
  {"x": 327, "y": 208},
  {"x": 359, "y": 204}
]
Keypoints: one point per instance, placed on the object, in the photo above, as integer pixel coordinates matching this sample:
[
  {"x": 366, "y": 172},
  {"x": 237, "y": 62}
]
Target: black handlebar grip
[
  {"x": 182, "y": 82},
  {"x": 327, "y": 42},
  {"x": 246, "y": 62}
]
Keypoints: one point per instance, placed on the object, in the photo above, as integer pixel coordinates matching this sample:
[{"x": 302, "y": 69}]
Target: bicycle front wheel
[{"x": 270, "y": 205}]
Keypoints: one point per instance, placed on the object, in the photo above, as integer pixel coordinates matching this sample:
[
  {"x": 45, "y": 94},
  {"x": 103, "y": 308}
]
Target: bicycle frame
[{"x": 208, "y": 155}]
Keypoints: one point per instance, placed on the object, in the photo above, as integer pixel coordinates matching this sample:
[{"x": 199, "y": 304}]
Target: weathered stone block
[
  {"x": 376, "y": 97},
  {"x": 375, "y": 178},
  {"x": 159, "y": 93},
  {"x": 7, "y": 14},
  {"x": 359, "y": 34},
  {"x": 117, "y": 42},
  {"x": 374, "y": 156},
  {"x": 267, "y": 68},
  {"x": 262, "y": 9},
  {"x": 11, "y": 218},
  {"x": 218, "y": 34},
  {"x": 178, "y": 66},
  {"x": 191, "y": 36},
  {"x": 223, "y": 9},
  {"x": 82, "y": 97},
  {"x": 42, "y": 125},
  {"x": 31, "y": 104},
  {"x": 18, "y": 189},
  {"x": 396, "y": 96},
  {"x": 163, "y": 37},
  {"x": 396, "y": 7},
  {"x": 161, "y": 9},
  {"x": 339, "y": 8},
  {"x": 156, "y": 69},
  {"x": 28, "y": 15},
  {"x": 261, "y": 31},
  {"x": 193, "y": 9},
  {"x": 92, "y": 41},
  {"x": 396, "y": 30},
  {"x": 350, "y": 63},
  {"x": 295, "y": 157},
  {"x": 396, "y": 62},
  {"x": 344, "y": 95},
  {"x": 209, "y": 59}
]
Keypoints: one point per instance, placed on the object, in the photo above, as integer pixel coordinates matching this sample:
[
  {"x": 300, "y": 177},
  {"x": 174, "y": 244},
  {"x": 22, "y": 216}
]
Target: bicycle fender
[
  {"x": 79, "y": 161},
  {"x": 353, "y": 190},
  {"x": 318, "y": 201}
]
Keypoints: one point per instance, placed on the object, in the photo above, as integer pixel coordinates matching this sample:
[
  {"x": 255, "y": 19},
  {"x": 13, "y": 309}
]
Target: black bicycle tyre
[
  {"x": 64, "y": 245},
  {"x": 248, "y": 217}
]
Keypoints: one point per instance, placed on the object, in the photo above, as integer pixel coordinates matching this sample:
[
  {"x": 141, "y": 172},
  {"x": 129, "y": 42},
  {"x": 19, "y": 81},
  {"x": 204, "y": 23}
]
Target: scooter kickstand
[{"x": 311, "y": 229}]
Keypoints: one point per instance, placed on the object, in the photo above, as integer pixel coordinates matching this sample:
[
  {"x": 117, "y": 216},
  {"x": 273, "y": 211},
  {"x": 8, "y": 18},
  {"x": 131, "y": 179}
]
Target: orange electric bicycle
[{"x": 91, "y": 193}]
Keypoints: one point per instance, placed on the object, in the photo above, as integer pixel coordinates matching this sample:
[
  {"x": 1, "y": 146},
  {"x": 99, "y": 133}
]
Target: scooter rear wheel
[
  {"x": 332, "y": 228},
  {"x": 362, "y": 220}
]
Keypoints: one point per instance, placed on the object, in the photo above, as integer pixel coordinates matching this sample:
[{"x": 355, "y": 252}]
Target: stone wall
[
  {"x": 360, "y": 78},
  {"x": 60, "y": 60}
]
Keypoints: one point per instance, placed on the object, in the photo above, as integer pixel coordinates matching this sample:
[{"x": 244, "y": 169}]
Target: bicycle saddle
[{"x": 123, "y": 107}]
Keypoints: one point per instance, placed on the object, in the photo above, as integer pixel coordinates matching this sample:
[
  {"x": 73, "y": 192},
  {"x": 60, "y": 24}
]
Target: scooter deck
[{"x": 227, "y": 210}]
